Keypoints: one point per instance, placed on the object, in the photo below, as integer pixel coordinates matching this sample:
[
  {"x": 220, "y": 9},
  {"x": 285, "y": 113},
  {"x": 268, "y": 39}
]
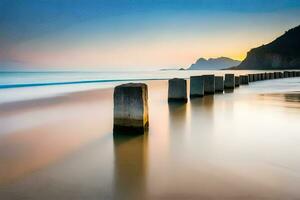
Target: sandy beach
[{"x": 240, "y": 145}]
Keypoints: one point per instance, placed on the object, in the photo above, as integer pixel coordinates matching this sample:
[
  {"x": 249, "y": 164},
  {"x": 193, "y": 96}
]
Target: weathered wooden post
[
  {"x": 258, "y": 77},
  {"x": 229, "y": 81},
  {"x": 219, "y": 84},
  {"x": 237, "y": 81},
  {"x": 254, "y": 77},
  {"x": 250, "y": 77},
  {"x": 177, "y": 90},
  {"x": 266, "y": 75},
  {"x": 131, "y": 108},
  {"x": 196, "y": 86},
  {"x": 269, "y": 75},
  {"x": 273, "y": 75},
  {"x": 279, "y": 74},
  {"x": 244, "y": 80},
  {"x": 209, "y": 84}
]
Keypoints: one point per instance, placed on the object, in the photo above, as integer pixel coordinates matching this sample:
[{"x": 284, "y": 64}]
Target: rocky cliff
[
  {"x": 282, "y": 53},
  {"x": 214, "y": 63}
]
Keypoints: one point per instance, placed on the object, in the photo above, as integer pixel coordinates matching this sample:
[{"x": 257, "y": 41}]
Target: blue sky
[{"x": 131, "y": 33}]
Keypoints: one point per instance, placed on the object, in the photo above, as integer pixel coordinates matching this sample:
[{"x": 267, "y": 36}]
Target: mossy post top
[
  {"x": 219, "y": 77},
  {"x": 131, "y": 107},
  {"x": 131, "y": 85}
]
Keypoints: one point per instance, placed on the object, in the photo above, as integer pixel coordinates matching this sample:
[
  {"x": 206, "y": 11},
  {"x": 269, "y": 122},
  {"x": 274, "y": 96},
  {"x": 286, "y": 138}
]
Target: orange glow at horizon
[
  {"x": 130, "y": 54},
  {"x": 158, "y": 50}
]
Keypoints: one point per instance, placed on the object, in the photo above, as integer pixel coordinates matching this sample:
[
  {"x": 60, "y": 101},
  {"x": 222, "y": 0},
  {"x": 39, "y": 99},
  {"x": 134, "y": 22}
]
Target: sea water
[
  {"x": 26, "y": 85},
  {"x": 239, "y": 145}
]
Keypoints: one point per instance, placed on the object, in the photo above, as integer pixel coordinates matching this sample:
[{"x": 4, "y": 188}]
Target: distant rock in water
[
  {"x": 282, "y": 53},
  {"x": 214, "y": 63}
]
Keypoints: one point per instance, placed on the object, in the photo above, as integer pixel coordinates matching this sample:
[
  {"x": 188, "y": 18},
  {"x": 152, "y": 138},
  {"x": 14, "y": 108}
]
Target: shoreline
[{"x": 47, "y": 89}]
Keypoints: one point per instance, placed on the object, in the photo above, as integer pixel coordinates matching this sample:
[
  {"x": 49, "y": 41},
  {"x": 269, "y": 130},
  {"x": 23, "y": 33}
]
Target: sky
[{"x": 141, "y": 34}]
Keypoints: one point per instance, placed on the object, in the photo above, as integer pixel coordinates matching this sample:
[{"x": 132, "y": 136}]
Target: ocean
[
  {"x": 57, "y": 142},
  {"x": 23, "y": 86}
]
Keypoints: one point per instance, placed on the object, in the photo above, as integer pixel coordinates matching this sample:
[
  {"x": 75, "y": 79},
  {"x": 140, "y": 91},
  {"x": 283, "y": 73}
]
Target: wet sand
[{"x": 240, "y": 145}]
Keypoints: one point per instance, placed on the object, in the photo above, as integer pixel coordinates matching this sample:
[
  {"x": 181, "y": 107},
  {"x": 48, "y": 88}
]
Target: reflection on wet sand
[
  {"x": 292, "y": 97},
  {"x": 130, "y": 166},
  {"x": 228, "y": 90},
  {"x": 177, "y": 116},
  {"x": 178, "y": 125},
  {"x": 202, "y": 111},
  {"x": 202, "y": 120},
  {"x": 287, "y": 100},
  {"x": 204, "y": 104}
]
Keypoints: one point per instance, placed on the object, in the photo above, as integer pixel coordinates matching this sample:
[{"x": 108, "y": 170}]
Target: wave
[{"x": 6, "y": 86}]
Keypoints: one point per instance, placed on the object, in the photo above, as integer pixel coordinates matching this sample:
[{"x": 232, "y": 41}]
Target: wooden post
[
  {"x": 219, "y": 84},
  {"x": 196, "y": 86},
  {"x": 209, "y": 84},
  {"x": 177, "y": 90},
  {"x": 131, "y": 108}
]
